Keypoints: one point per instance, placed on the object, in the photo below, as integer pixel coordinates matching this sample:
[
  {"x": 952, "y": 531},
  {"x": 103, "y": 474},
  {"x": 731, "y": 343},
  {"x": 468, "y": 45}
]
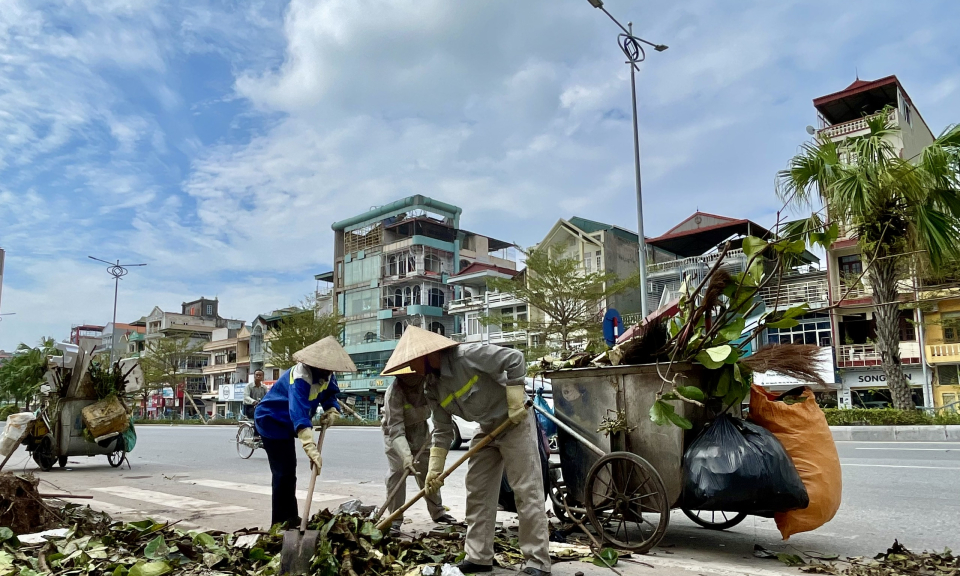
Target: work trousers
[
  {"x": 514, "y": 452},
  {"x": 282, "y": 455},
  {"x": 396, "y": 475}
]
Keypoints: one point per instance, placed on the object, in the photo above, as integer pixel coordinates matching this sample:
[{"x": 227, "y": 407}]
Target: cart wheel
[
  {"x": 43, "y": 454},
  {"x": 627, "y": 502},
  {"x": 62, "y": 461},
  {"x": 245, "y": 442},
  {"x": 559, "y": 494},
  {"x": 118, "y": 455},
  {"x": 715, "y": 520}
]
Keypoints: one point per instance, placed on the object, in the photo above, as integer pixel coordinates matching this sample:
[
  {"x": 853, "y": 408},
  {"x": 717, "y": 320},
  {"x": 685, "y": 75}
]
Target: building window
[
  {"x": 398, "y": 330},
  {"x": 416, "y": 295},
  {"x": 431, "y": 263},
  {"x": 951, "y": 327},
  {"x": 813, "y": 329},
  {"x": 587, "y": 261},
  {"x": 436, "y": 297},
  {"x": 407, "y": 296},
  {"x": 276, "y": 374},
  {"x": 437, "y": 327},
  {"x": 473, "y": 323},
  {"x": 948, "y": 375},
  {"x": 209, "y": 309},
  {"x": 950, "y": 403},
  {"x": 392, "y": 266},
  {"x": 850, "y": 266},
  {"x": 397, "y": 298}
]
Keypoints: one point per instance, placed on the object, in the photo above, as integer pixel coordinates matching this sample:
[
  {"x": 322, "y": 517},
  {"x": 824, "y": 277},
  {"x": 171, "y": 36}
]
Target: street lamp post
[
  {"x": 633, "y": 50},
  {"x": 118, "y": 271}
]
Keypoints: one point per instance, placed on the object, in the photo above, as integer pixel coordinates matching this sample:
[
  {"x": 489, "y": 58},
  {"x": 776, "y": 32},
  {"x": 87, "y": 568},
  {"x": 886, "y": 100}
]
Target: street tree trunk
[{"x": 883, "y": 280}]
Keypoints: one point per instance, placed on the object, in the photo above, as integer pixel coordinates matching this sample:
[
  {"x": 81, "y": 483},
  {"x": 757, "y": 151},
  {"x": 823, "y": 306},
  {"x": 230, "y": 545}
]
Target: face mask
[{"x": 316, "y": 389}]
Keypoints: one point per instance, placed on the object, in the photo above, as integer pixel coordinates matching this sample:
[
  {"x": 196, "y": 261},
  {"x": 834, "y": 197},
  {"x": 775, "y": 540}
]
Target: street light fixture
[
  {"x": 117, "y": 270},
  {"x": 632, "y": 47}
]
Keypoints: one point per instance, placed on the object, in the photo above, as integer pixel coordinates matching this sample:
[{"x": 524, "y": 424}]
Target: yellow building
[{"x": 942, "y": 339}]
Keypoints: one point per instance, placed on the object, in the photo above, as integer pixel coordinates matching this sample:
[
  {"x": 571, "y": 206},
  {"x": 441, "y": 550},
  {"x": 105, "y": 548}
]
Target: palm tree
[{"x": 905, "y": 214}]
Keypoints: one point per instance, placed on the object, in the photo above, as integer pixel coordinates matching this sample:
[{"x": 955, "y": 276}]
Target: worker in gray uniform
[
  {"x": 405, "y": 431},
  {"x": 482, "y": 383}
]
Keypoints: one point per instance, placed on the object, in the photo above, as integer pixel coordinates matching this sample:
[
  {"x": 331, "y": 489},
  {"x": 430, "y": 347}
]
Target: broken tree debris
[
  {"x": 895, "y": 561},
  {"x": 22, "y": 509}
]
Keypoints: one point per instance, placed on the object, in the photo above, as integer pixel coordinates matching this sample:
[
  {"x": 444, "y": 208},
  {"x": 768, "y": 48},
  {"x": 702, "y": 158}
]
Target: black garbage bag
[{"x": 737, "y": 466}]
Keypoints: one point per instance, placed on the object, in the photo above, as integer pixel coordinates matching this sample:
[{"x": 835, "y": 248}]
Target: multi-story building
[
  {"x": 843, "y": 115},
  {"x": 601, "y": 248},
  {"x": 260, "y": 330},
  {"x": 119, "y": 334},
  {"x": 942, "y": 344},
  {"x": 228, "y": 371},
  {"x": 391, "y": 270},
  {"x": 476, "y": 303},
  {"x": 196, "y": 321},
  {"x": 85, "y": 333}
]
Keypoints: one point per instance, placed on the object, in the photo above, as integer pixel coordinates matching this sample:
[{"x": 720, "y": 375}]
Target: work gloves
[
  {"x": 310, "y": 447},
  {"x": 438, "y": 457},
  {"x": 403, "y": 450},
  {"x": 329, "y": 417},
  {"x": 516, "y": 400}
]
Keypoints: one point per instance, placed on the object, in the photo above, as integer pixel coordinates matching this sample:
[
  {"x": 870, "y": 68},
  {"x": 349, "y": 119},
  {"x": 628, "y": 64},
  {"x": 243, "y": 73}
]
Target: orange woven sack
[{"x": 805, "y": 435}]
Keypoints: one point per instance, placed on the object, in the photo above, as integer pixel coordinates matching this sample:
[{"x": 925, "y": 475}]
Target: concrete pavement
[{"x": 193, "y": 474}]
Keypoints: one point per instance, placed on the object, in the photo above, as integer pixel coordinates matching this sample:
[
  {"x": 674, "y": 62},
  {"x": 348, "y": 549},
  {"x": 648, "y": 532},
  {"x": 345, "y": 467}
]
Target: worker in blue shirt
[{"x": 286, "y": 412}]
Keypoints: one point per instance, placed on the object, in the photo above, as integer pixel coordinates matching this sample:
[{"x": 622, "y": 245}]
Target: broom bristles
[{"x": 795, "y": 360}]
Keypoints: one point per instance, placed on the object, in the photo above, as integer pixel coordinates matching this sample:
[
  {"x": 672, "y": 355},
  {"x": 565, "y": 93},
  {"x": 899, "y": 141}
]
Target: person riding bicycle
[{"x": 252, "y": 395}]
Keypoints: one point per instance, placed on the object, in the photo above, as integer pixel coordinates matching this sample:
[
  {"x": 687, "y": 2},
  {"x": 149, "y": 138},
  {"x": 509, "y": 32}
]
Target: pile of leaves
[
  {"x": 896, "y": 560},
  {"x": 94, "y": 543}
]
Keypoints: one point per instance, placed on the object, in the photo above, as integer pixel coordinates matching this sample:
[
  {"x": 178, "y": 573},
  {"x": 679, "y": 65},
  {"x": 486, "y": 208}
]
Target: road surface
[{"x": 193, "y": 474}]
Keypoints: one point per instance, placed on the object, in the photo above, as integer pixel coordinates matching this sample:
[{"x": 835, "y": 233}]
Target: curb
[{"x": 896, "y": 433}]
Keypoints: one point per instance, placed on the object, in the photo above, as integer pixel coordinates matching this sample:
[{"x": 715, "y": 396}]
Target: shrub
[{"x": 886, "y": 417}]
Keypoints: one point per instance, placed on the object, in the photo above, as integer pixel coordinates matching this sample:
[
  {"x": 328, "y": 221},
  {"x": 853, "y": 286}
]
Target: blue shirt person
[{"x": 286, "y": 413}]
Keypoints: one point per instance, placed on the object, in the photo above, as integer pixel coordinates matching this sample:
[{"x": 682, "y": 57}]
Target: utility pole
[
  {"x": 632, "y": 48},
  {"x": 118, "y": 271}
]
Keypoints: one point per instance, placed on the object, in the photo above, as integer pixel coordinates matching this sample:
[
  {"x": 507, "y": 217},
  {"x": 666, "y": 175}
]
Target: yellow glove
[
  {"x": 329, "y": 417},
  {"x": 403, "y": 450},
  {"x": 516, "y": 398},
  {"x": 438, "y": 457},
  {"x": 310, "y": 447}
]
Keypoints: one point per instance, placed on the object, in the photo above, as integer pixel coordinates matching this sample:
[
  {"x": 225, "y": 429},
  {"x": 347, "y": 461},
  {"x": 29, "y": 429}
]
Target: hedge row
[{"x": 886, "y": 417}]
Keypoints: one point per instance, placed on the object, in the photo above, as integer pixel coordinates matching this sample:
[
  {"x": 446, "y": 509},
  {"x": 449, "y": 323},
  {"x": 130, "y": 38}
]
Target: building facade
[
  {"x": 843, "y": 115},
  {"x": 227, "y": 371},
  {"x": 392, "y": 267}
]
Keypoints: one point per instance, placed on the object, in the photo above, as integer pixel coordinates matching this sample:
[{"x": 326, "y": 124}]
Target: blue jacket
[{"x": 289, "y": 405}]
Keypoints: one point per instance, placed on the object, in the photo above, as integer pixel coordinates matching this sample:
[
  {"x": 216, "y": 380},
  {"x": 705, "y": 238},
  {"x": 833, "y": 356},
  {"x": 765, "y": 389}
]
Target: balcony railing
[
  {"x": 706, "y": 260},
  {"x": 813, "y": 292},
  {"x": 851, "y": 289},
  {"x": 491, "y": 299},
  {"x": 862, "y": 355},
  {"x": 845, "y": 128},
  {"x": 940, "y": 353},
  {"x": 512, "y": 336}
]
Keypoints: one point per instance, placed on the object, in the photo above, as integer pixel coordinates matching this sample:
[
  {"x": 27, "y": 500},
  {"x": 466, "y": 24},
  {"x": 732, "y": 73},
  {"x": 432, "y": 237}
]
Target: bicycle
[{"x": 247, "y": 439}]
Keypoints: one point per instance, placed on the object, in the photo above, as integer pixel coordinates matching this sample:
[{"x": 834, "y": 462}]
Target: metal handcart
[{"x": 624, "y": 484}]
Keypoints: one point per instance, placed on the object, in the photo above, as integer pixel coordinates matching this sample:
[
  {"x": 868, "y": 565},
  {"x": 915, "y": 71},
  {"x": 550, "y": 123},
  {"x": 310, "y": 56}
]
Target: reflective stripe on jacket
[{"x": 292, "y": 401}]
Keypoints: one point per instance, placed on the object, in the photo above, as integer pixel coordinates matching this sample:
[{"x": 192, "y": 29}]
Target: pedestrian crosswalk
[{"x": 168, "y": 504}]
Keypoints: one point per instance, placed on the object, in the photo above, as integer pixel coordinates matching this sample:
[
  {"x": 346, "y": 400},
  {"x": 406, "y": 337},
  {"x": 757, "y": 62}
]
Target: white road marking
[
  {"x": 911, "y": 449},
  {"x": 116, "y": 511},
  {"x": 257, "y": 489},
  {"x": 165, "y": 500},
  {"x": 899, "y": 466}
]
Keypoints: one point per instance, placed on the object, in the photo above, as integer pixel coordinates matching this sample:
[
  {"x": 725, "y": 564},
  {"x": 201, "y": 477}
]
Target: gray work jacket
[
  {"x": 472, "y": 385},
  {"x": 405, "y": 413}
]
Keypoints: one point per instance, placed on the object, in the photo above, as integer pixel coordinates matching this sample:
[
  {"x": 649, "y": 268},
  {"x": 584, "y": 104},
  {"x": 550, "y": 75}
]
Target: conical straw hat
[
  {"x": 327, "y": 354},
  {"x": 416, "y": 343}
]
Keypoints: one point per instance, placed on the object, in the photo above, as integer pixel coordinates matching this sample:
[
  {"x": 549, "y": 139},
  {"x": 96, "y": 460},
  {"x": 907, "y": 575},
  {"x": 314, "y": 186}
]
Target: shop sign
[{"x": 875, "y": 378}]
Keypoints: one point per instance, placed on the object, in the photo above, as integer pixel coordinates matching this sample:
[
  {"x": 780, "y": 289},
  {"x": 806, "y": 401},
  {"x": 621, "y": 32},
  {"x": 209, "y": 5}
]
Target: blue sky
[{"x": 217, "y": 141}]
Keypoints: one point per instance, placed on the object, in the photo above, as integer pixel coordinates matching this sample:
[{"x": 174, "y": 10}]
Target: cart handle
[{"x": 579, "y": 437}]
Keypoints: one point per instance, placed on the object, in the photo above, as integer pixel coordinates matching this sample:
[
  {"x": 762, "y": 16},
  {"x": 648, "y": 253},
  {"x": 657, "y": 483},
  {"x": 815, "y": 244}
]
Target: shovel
[
  {"x": 299, "y": 546},
  {"x": 386, "y": 522}
]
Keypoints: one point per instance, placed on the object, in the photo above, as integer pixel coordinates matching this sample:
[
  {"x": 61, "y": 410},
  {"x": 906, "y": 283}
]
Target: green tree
[
  {"x": 22, "y": 375},
  {"x": 570, "y": 299},
  {"x": 905, "y": 214},
  {"x": 164, "y": 361},
  {"x": 301, "y": 329}
]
